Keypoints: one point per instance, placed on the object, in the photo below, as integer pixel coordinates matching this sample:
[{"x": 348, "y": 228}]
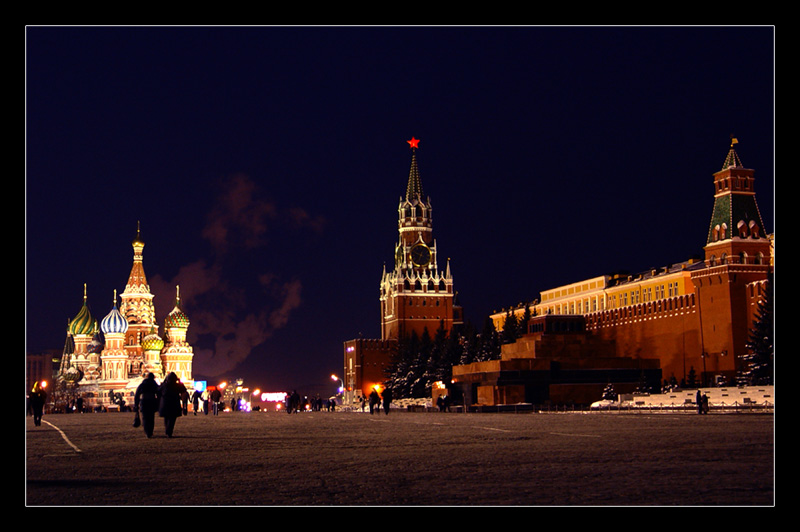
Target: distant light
[
  {"x": 200, "y": 386},
  {"x": 273, "y": 397}
]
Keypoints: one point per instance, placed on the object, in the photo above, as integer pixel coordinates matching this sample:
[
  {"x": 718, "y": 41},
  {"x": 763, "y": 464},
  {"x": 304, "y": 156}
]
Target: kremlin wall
[{"x": 686, "y": 322}]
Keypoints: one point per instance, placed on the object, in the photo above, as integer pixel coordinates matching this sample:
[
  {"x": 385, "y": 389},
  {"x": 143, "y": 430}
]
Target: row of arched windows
[{"x": 432, "y": 287}]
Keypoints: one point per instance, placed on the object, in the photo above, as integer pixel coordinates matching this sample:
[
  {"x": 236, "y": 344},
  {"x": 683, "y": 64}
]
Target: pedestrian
[
  {"x": 698, "y": 398},
  {"x": 705, "y": 404},
  {"x": 374, "y": 400},
  {"x": 37, "y": 399},
  {"x": 170, "y": 407},
  {"x": 195, "y": 402},
  {"x": 216, "y": 397},
  {"x": 184, "y": 399},
  {"x": 205, "y": 398},
  {"x": 387, "y": 400},
  {"x": 146, "y": 402},
  {"x": 79, "y": 404}
]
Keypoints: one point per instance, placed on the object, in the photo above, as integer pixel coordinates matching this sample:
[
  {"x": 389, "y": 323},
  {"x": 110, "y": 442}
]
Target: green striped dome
[{"x": 83, "y": 323}]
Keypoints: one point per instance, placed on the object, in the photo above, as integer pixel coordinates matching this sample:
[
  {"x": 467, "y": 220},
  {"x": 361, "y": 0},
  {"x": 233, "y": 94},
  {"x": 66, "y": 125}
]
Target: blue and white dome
[{"x": 114, "y": 322}]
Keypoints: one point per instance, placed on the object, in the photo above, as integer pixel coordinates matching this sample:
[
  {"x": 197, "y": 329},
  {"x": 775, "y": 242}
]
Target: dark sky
[{"x": 265, "y": 165}]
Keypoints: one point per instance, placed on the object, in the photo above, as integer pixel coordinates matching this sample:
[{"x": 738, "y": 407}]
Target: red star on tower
[{"x": 414, "y": 143}]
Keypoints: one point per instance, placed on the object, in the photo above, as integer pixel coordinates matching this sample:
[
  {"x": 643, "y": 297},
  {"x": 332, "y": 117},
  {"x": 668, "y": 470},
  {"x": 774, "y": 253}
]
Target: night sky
[{"x": 265, "y": 166}]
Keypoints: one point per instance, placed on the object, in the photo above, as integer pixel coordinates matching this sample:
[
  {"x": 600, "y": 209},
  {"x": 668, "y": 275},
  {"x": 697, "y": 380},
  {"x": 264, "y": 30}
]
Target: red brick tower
[
  {"x": 737, "y": 254},
  {"x": 416, "y": 295}
]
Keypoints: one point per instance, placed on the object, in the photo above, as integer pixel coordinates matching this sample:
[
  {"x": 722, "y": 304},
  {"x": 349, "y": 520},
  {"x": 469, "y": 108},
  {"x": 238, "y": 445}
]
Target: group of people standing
[
  {"x": 375, "y": 400},
  {"x": 702, "y": 402},
  {"x": 206, "y": 397}
]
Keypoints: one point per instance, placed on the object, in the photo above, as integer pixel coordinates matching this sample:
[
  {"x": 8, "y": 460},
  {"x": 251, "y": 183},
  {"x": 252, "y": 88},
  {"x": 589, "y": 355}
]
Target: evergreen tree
[
  {"x": 469, "y": 345},
  {"x": 524, "y": 321},
  {"x": 758, "y": 362},
  {"x": 608, "y": 393},
  {"x": 489, "y": 342},
  {"x": 510, "y": 328}
]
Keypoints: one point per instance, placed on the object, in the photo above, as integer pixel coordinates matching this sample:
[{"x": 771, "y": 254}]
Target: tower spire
[{"x": 414, "y": 189}]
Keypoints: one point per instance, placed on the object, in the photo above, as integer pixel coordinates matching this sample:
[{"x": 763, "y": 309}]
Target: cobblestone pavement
[{"x": 409, "y": 459}]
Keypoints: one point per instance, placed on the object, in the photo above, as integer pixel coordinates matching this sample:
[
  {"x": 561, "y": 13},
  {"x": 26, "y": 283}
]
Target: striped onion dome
[
  {"x": 97, "y": 343},
  {"x": 177, "y": 318},
  {"x": 114, "y": 322},
  {"x": 83, "y": 322},
  {"x": 152, "y": 342}
]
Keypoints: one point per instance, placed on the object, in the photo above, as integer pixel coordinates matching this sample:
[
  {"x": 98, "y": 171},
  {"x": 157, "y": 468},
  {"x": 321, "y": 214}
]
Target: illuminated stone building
[
  {"x": 693, "y": 317},
  {"x": 415, "y": 294},
  {"x": 107, "y": 361}
]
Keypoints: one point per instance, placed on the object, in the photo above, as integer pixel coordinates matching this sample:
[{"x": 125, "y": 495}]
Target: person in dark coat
[
  {"x": 170, "y": 407},
  {"x": 387, "y": 400},
  {"x": 37, "y": 399},
  {"x": 216, "y": 397},
  {"x": 196, "y": 401},
  {"x": 146, "y": 402},
  {"x": 374, "y": 401}
]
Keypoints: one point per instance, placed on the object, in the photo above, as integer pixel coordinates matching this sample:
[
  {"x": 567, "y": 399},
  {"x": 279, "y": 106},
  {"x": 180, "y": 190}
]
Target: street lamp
[{"x": 341, "y": 388}]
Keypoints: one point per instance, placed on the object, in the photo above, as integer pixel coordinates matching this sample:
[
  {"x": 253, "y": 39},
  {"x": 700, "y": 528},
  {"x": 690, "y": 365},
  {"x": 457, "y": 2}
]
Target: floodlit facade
[
  {"x": 104, "y": 362},
  {"x": 694, "y": 316}
]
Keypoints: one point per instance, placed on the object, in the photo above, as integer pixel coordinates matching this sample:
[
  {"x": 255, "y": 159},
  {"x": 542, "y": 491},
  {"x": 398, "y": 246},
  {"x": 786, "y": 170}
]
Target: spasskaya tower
[{"x": 416, "y": 294}]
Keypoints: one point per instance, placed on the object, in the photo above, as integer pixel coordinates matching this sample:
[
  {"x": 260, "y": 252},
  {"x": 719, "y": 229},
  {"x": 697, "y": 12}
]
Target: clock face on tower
[{"x": 420, "y": 255}]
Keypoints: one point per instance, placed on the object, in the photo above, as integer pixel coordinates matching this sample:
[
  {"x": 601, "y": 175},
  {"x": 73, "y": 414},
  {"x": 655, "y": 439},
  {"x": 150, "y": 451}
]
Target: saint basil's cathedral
[{"x": 105, "y": 363}]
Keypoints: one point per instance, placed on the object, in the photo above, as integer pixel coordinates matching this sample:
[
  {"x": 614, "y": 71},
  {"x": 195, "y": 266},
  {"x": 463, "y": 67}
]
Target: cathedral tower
[
  {"x": 137, "y": 307},
  {"x": 113, "y": 358},
  {"x": 416, "y": 295},
  {"x": 177, "y": 354}
]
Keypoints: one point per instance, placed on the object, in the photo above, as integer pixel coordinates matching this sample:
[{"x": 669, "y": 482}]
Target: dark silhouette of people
[
  {"x": 216, "y": 397},
  {"x": 170, "y": 406},
  {"x": 374, "y": 400},
  {"x": 146, "y": 402},
  {"x": 387, "y": 400},
  {"x": 195, "y": 402},
  {"x": 37, "y": 399}
]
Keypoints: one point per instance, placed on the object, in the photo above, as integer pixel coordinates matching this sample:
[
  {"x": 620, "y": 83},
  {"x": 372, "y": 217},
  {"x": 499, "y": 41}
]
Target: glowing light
[
  {"x": 273, "y": 397},
  {"x": 414, "y": 143}
]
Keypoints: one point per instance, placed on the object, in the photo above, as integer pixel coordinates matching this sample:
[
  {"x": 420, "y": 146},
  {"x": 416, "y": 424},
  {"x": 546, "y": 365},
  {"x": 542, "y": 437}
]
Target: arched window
[
  {"x": 754, "y": 229},
  {"x": 742, "y": 228}
]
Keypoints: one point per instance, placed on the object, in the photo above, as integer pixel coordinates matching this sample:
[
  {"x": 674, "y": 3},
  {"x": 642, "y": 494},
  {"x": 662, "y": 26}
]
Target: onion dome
[
  {"x": 73, "y": 375},
  {"x": 97, "y": 343},
  {"x": 83, "y": 322},
  {"x": 177, "y": 318},
  {"x": 152, "y": 342},
  {"x": 114, "y": 322}
]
